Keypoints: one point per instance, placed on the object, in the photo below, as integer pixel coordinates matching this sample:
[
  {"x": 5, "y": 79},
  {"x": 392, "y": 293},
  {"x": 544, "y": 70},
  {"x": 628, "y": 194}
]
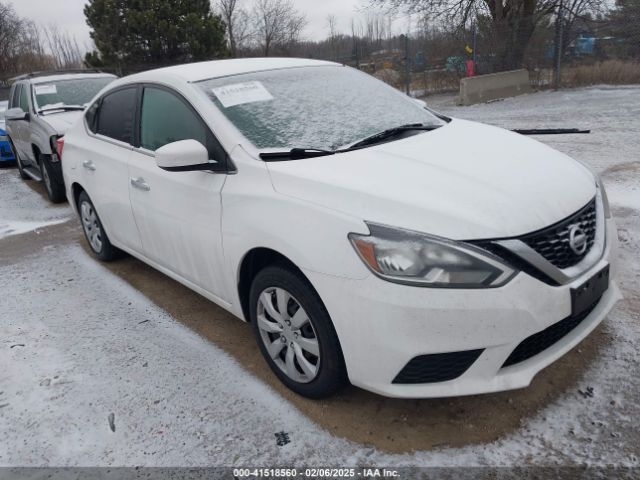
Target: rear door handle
[
  {"x": 89, "y": 165},
  {"x": 140, "y": 184}
]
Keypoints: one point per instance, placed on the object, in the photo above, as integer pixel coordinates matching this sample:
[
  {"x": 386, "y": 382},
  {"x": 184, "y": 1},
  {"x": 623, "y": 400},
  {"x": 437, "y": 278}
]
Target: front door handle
[
  {"x": 89, "y": 165},
  {"x": 140, "y": 184}
]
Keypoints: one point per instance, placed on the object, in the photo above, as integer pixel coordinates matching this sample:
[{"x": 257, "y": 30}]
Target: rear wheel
[
  {"x": 295, "y": 333},
  {"x": 94, "y": 231},
  {"x": 52, "y": 182}
]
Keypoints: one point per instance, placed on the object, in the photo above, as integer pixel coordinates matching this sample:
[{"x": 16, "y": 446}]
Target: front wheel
[
  {"x": 295, "y": 333},
  {"x": 94, "y": 231},
  {"x": 53, "y": 184}
]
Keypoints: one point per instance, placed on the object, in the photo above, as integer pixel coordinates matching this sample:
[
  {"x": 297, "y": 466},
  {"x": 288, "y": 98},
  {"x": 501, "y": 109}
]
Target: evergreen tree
[{"x": 134, "y": 33}]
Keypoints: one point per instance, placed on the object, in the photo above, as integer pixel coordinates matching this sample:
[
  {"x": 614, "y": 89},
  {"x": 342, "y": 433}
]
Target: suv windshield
[
  {"x": 325, "y": 107},
  {"x": 75, "y": 92}
]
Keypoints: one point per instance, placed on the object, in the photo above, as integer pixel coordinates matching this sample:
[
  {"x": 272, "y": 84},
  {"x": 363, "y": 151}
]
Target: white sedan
[{"x": 365, "y": 237}]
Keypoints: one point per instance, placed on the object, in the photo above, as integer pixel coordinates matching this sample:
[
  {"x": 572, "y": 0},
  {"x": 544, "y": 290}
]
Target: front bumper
[{"x": 382, "y": 326}]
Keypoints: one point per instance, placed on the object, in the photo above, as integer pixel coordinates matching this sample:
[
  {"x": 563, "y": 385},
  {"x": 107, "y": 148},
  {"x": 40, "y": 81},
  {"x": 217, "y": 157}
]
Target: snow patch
[{"x": 9, "y": 227}]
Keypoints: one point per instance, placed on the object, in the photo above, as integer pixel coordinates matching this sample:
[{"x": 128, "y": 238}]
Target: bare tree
[
  {"x": 332, "y": 26},
  {"x": 238, "y": 24},
  {"x": 277, "y": 23},
  {"x": 64, "y": 48},
  {"x": 512, "y": 21}
]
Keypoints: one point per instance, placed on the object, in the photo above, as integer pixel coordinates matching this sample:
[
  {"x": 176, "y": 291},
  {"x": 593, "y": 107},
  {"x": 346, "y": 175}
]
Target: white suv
[{"x": 364, "y": 236}]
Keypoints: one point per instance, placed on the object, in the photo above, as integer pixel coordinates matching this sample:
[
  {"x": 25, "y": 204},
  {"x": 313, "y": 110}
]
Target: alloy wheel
[
  {"x": 91, "y": 226},
  {"x": 288, "y": 335}
]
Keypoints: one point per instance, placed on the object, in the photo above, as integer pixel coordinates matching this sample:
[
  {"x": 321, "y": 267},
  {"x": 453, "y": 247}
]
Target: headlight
[{"x": 413, "y": 258}]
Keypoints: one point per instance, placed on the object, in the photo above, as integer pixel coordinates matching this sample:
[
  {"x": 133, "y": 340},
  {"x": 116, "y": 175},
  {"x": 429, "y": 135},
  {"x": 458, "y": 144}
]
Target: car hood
[
  {"x": 462, "y": 181},
  {"x": 61, "y": 121}
]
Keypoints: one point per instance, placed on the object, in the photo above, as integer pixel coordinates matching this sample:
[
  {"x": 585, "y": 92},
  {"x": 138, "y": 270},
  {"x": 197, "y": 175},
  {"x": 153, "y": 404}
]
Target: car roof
[
  {"x": 195, "y": 72},
  {"x": 67, "y": 76}
]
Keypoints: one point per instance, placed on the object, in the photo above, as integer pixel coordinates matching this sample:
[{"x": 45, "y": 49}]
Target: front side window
[
  {"x": 166, "y": 118},
  {"x": 116, "y": 115},
  {"x": 15, "y": 96},
  {"x": 325, "y": 107},
  {"x": 24, "y": 98},
  {"x": 68, "y": 93}
]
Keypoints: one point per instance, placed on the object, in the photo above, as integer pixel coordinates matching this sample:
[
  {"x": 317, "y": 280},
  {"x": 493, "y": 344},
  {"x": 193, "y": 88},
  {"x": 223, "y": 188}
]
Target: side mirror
[
  {"x": 184, "y": 156},
  {"x": 420, "y": 103},
  {"x": 16, "y": 114}
]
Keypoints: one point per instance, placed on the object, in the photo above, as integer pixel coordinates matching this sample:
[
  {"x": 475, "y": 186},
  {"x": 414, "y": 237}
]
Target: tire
[
  {"x": 305, "y": 322},
  {"x": 53, "y": 184},
  {"x": 94, "y": 231},
  {"x": 23, "y": 175}
]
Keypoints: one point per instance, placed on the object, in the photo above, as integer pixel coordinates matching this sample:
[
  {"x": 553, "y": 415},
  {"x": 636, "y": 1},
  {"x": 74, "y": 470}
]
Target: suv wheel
[
  {"x": 94, "y": 231},
  {"x": 295, "y": 333},
  {"x": 54, "y": 185}
]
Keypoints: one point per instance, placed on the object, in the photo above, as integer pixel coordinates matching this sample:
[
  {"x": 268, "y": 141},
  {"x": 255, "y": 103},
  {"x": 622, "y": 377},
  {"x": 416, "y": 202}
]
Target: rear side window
[
  {"x": 91, "y": 116},
  {"x": 166, "y": 118},
  {"x": 24, "y": 98},
  {"x": 116, "y": 115}
]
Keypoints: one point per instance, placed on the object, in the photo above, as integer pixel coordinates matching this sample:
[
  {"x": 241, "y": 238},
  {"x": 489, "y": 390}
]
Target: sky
[{"x": 69, "y": 16}]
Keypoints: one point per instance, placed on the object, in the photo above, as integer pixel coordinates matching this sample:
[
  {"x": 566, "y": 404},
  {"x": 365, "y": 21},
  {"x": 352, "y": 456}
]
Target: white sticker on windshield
[
  {"x": 240, "y": 93},
  {"x": 46, "y": 90}
]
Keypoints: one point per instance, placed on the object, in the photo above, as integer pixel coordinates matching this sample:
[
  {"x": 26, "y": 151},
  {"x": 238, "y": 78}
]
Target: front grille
[
  {"x": 540, "y": 341},
  {"x": 437, "y": 367},
  {"x": 553, "y": 242}
]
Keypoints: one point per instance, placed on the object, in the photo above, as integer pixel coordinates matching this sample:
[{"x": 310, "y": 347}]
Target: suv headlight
[{"x": 413, "y": 258}]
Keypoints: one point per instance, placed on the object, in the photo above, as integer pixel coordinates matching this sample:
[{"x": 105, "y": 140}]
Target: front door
[{"x": 178, "y": 214}]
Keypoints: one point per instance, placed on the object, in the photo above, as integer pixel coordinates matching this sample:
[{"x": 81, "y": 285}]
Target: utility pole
[
  {"x": 558, "y": 49},
  {"x": 475, "y": 43}
]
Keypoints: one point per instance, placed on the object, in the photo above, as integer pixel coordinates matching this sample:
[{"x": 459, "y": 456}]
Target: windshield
[
  {"x": 313, "y": 107},
  {"x": 78, "y": 91}
]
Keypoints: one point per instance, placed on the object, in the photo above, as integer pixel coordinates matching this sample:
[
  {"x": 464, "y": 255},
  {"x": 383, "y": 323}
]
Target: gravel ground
[{"x": 119, "y": 365}]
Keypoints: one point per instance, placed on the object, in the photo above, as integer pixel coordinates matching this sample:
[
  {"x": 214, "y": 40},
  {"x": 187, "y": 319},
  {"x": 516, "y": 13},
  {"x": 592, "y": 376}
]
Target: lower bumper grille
[
  {"x": 540, "y": 341},
  {"x": 437, "y": 367}
]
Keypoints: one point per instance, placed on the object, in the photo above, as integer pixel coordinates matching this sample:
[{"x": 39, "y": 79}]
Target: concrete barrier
[{"x": 491, "y": 87}]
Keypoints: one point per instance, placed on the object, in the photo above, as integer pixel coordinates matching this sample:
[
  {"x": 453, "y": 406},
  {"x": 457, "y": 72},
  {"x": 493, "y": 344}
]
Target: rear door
[
  {"x": 104, "y": 170},
  {"x": 178, "y": 213}
]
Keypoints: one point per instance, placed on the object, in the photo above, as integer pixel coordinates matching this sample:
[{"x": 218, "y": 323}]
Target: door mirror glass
[
  {"x": 16, "y": 114},
  {"x": 184, "y": 156}
]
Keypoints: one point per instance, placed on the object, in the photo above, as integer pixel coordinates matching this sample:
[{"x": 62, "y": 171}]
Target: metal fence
[{"x": 564, "y": 50}]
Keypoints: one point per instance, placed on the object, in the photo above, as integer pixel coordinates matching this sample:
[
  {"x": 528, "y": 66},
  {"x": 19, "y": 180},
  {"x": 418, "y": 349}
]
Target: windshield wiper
[
  {"x": 300, "y": 153},
  {"x": 389, "y": 133},
  {"x": 549, "y": 131},
  {"x": 61, "y": 107},
  {"x": 296, "y": 154}
]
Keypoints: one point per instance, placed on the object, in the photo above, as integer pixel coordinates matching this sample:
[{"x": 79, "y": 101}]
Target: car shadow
[{"x": 393, "y": 425}]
